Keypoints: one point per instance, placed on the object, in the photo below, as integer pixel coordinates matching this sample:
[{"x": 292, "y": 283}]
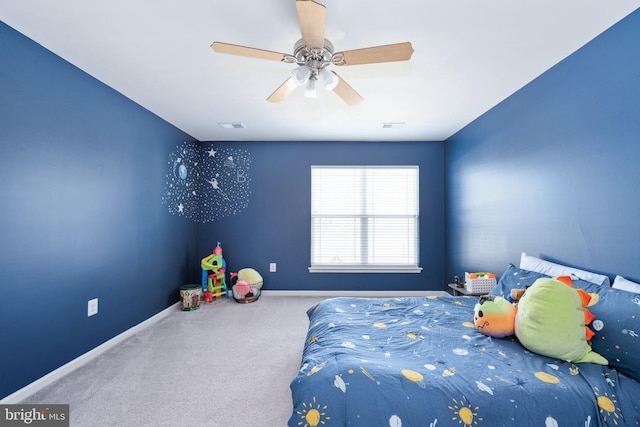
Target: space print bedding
[{"x": 421, "y": 362}]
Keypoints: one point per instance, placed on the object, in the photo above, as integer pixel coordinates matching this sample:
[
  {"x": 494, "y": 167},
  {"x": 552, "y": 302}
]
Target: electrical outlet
[
  {"x": 92, "y": 307},
  {"x": 272, "y": 267}
]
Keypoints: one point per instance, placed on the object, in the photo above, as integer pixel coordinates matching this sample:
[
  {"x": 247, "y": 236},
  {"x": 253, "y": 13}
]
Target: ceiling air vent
[
  {"x": 393, "y": 125},
  {"x": 232, "y": 125}
]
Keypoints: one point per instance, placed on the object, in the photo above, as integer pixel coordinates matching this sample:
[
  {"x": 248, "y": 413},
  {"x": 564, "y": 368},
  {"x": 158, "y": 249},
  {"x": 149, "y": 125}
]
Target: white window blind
[{"x": 364, "y": 218}]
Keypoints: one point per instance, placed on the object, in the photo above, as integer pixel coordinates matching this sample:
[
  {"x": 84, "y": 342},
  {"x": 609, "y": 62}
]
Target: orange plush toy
[{"x": 494, "y": 316}]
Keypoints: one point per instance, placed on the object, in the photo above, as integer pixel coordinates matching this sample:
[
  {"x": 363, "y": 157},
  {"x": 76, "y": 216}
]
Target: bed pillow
[
  {"x": 518, "y": 278},
  {"x": 616, "y": 327},
  {"x": 514, "y": 278},
  {"x": 529, "y": 262},
  {"x": 626, "y": 285}
]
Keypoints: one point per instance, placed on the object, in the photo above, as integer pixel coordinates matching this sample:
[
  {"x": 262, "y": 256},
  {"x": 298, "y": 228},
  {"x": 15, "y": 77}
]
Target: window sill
[{"x": 364, "y": 269}]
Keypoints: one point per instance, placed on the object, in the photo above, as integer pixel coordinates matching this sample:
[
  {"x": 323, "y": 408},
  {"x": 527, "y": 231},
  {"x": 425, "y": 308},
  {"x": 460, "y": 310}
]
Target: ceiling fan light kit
[
  {"x": 311, "y": 88},
  {"x": 329, "y": 79},
  {"x": 313, "y": 54},
  {"x": 300, "y": 75}
]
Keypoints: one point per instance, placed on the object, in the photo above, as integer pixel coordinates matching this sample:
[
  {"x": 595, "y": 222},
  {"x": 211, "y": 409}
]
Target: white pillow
[
  {"x": 626, "y": 285},
  {"x": 531, "y": 263}
]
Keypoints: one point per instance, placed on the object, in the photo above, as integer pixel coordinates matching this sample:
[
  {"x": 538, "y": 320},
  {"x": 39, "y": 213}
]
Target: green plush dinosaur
[{"x": 551, "y": 321}]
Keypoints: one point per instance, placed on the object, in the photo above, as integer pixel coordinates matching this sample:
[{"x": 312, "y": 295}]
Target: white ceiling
[{"x": 469, "y": 56}]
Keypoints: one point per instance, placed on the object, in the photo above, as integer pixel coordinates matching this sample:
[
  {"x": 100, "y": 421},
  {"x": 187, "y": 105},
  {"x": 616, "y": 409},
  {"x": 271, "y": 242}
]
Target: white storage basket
[{"x": 479, "y": 282}]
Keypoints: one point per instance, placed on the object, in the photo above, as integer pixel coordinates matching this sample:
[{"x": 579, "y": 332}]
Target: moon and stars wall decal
[{"x": 205, "y": 183}]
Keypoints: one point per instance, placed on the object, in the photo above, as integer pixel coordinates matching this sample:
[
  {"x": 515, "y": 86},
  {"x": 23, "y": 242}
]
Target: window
[{"x": 364, "y": 219}]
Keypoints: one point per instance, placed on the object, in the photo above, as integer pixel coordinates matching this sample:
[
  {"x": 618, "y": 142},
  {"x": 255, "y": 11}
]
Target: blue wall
[
  {"x": 276, "y": 226},
  {"x": 553, "y": 170},
  {"x": 83, "y": 171}
]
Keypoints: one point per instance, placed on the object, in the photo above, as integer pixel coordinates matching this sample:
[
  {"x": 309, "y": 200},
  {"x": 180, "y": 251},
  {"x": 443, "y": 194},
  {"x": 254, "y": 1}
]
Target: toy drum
[{"x": 190, "y": 297}]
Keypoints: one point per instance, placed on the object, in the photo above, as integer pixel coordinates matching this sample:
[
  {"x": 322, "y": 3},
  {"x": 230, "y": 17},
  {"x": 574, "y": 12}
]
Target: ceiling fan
[{"x": 314, "y": 54}]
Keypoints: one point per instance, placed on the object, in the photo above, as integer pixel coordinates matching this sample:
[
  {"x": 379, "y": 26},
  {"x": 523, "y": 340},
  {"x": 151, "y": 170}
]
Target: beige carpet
[{"x": 226, "y": 364}]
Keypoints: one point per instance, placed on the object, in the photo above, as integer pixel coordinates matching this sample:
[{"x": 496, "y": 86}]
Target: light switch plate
[{"x": 92, "y": 307}]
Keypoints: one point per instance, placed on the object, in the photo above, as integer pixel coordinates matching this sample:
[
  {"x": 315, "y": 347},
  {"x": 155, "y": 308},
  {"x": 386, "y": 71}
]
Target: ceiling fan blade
[
  {"x": 312, "y": 17},
  {"x": 372, "y": 55},
  {"x": 234, "y": 49},
  {"x": 281, "y": 93},
  {"x": 347, "y": 93}
]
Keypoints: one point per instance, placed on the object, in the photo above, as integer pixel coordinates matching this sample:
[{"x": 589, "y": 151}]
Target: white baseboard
[
  {"x": 55, "y": 375},
  {"x": 329, "y": 294}
]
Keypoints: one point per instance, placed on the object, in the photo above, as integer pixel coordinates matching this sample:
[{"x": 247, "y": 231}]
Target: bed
[{"x": 421, "y": 362}]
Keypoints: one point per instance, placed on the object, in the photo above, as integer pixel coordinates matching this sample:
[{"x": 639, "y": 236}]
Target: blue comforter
[{"x": 417, "y": 362}]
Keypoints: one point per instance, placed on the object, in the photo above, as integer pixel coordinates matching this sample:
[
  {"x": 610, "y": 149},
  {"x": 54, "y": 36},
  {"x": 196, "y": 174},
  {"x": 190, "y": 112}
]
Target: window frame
[{"x": 368, "y": 268}]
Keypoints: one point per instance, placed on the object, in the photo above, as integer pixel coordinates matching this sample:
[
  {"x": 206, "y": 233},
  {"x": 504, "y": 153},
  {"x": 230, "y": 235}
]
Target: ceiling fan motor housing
[{"x": 313, "y": 57}]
